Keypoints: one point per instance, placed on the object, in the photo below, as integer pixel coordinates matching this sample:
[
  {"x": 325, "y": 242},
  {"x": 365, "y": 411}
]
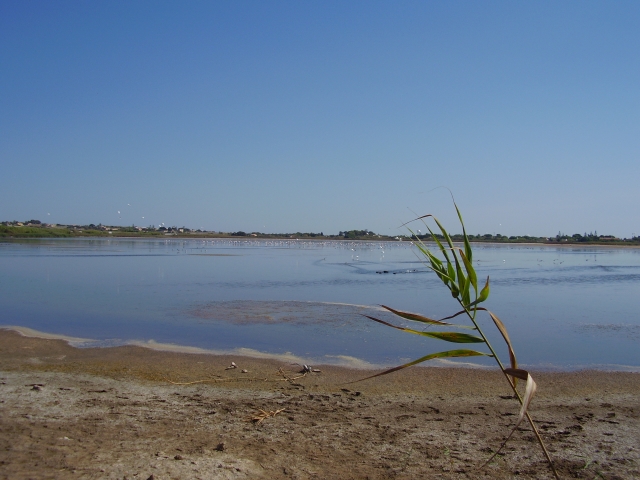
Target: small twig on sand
[
  {"x": 290, "y": 379},
  {"x": 260, "y": 415}
]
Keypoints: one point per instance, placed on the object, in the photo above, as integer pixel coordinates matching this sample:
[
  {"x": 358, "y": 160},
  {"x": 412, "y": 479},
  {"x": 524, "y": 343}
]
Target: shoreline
[
  {"x": 135, "y": 412},
  {"x": 342, "y": 361}
]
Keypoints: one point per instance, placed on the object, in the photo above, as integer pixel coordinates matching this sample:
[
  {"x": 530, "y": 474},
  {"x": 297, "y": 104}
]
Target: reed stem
[{"x": 512, "y": 385}]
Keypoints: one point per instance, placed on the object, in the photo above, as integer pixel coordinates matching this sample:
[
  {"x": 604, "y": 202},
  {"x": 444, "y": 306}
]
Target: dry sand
[{"x": 114, "y": 413}]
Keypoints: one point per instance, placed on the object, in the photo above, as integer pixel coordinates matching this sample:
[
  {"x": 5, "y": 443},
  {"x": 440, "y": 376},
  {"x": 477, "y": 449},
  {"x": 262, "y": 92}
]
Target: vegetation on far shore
[{"x": 38, "y": 229}]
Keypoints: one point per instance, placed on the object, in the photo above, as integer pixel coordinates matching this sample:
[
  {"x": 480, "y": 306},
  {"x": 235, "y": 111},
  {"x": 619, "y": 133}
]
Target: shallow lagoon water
[{"x": 564, "y": 307}]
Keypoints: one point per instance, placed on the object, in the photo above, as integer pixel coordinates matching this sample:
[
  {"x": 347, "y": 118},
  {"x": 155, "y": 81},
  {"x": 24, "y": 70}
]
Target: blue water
[{"x": 565, "y": 308}]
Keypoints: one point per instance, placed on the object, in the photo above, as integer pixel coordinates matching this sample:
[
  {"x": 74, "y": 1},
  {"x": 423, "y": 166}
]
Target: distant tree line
[
  {"x": 35, "y": 228},
  {"x": 353, "y": 234}
]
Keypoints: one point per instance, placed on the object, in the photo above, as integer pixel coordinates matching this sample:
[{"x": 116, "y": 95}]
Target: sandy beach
[{"x": 123, "y": 413}]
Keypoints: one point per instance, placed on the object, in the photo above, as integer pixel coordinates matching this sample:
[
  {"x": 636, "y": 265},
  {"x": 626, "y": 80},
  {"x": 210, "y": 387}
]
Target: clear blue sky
[{"x": 322, "y": 116}]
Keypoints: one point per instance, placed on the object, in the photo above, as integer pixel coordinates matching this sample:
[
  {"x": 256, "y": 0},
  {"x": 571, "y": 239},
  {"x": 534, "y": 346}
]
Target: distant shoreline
[
  {"x": 37, "y": 229},
  {"x": 334, "y": 238}
]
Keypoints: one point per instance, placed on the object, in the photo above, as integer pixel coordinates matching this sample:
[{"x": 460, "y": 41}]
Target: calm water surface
[{"x": 564, "y": 307}]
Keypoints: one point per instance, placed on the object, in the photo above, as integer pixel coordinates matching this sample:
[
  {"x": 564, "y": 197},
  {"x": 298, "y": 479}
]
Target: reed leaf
[
  {"x": 450, "y": 270},
  {"x": 414, "y": 316},
  {"x": 505, "y": 335},
  {"x": 470, "y": 271},
  {"x": 452, "y": 275},
  {"x": 457, "y": 314},
  {"x": 484, "y": 293},
  {"x": 445, "y": 234},
  {"x": 435, "y": 263},
  {"x": 462, "y": 278},
  {"x": 447, "y": 354},
  {"x": 465, "y": 291},
  {"x": 529, "y": 392},
  {"x": 458, "y": 269},
  {"x": 517, "y": 373},
  {"x": 433, "y": 235},
  {"x": 454, "y": 337},
  {"x": 467, "y": 245}
]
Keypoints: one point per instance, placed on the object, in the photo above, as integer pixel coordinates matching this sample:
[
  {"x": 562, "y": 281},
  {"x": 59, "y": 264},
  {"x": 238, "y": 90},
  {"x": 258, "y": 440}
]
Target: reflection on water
[{"x": 566, "y": 307}]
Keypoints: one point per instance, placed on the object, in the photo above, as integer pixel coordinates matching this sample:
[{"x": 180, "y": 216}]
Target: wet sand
[{"x": 119, "y": 412}]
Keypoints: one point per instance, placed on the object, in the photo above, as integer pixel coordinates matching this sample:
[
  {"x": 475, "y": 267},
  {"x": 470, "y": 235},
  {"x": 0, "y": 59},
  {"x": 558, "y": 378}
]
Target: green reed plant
[{"x": 455, "y": 270}]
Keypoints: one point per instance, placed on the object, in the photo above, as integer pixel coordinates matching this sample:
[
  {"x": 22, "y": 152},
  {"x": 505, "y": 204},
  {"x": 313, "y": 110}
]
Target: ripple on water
[{"x": 625, "y": 330}]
